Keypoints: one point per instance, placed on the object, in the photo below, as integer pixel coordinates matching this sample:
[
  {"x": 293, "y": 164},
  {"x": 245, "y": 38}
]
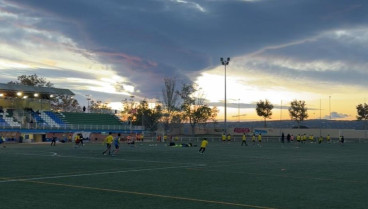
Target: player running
[
  {"x": 116, "y": 143},
  {"x": 204, "y": 144},
  {"x": 108, "y": 141}
]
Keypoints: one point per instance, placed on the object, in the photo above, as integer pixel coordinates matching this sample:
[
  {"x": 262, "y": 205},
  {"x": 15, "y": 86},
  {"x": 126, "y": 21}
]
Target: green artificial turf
[{"x": 147, "y": 176}]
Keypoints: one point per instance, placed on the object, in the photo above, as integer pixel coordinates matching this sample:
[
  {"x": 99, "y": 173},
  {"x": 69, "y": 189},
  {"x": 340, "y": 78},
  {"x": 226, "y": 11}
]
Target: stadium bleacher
[
  {"x": 89, "y": 118},
  {"x": 49, "y": 120},
  {"x": 54, "y": 116},
  {"x": 36, "y": 117},
  {"x": 3, "y": 122},
  {"x": 7, "y": 116}
]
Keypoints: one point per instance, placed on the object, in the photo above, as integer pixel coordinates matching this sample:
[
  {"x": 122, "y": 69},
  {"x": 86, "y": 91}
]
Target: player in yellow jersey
[
  {"x": 328, "y": 138},
  {"x": 310, "y": 138},
  {"x": 254, "y": 139},
  {"x": 260, "y": 139},
  {"x": 77, "y": 140},
  {"x": 304, "y": 138},
  {"x": 244, "y": 140},
  {"x": 204, "y": 144},
  {"x": 228, "y": 137},
  {"x": 298, "y": 138},
  {"x": 320, "y": 139},
  {"x": 108, "y": 141},
  {"x": 223, "y": 137}
]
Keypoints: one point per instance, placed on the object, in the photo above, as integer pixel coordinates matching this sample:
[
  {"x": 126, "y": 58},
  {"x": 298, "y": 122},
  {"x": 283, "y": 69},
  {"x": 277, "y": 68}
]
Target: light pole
[
  {"x": 238, "y": 110},
  {"x": 225, "y": 63},
  {"x": 88, "y": 99},
  {"x": 281, "y": 111},
  {"x": 329, "y": 104}
]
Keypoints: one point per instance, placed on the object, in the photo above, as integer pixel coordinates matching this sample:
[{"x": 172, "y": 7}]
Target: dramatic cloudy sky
[{"x": 312, "y": 50}]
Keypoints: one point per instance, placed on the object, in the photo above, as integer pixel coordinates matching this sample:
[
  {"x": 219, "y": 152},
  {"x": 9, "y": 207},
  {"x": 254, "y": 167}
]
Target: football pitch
[{"x": 154, "y": 175}]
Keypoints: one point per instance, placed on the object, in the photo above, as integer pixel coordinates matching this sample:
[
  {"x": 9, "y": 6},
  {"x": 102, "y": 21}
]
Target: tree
[
  {"x": 99, "y": 107},
  {"x": 32, "y": 80},
  {"x": 170, "y": 96},
  {"x": 171, "y": 116},
  {"x": 65, "y": 103},
  {"x": 264, "y": 109},
  {"x": 129, "y": 109},
  {"x": 59, "y": 102},
  {"x": 148, "y": 117},
  {"x": 298, "y": 111},
  {"x": 193, "y": 108},
  {"x": 362, "y": 111}
]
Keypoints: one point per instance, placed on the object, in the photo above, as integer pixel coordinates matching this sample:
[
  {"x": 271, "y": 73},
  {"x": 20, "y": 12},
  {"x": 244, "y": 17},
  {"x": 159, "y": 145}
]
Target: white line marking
[
  {"x": 91, "y": 174},
  {"x": 107, "y": 157}
]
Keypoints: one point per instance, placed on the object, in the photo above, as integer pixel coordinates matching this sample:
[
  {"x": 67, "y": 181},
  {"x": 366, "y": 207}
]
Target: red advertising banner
[{"x": 241, "y": 130}]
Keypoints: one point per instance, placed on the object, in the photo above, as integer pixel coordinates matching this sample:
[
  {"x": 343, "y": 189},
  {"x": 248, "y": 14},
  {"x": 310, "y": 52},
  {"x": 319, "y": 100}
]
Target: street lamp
[
  {"x": 88, "y": 99},
  {"x": 225, "y": 63},
  {"x": 329, "y": 104}
]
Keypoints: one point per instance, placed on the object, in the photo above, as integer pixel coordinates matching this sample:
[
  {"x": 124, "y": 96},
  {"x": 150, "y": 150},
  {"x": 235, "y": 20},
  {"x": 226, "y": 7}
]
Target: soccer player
[
  {"x": 81, "y": 139},
  {"x": 320, "y": 139},
  {"x": 2, "y": 141},
  {"x": 328, "y": 138},
  {"x": 204, "y": 144},
  {"x": 116, "y": 144},
  {"x": 311, "y": 138},
  {"x": 304, "y": 138},
  {"x": 223, "y": 137},
  {"x": 77, "y": 140},
  {"x": 53, "y": 140},
  {"x": 259, "y": 139},
  {"x": 108, "y": 141},
  {"x": 254, "y": 138},
  {"x": 298, "y": 138},
  {"x": 228, "y": 137},
  {"x": 244, "y": 140}
]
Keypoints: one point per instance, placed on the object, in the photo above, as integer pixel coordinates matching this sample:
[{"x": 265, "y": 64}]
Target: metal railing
[{"x": 81, "y": 127}]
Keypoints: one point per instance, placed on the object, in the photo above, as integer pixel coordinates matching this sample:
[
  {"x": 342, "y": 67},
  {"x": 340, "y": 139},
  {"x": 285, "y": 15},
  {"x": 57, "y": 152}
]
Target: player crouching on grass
[
  {"x": 203, "y": 145},
  {"x": 108, "y": 141}
]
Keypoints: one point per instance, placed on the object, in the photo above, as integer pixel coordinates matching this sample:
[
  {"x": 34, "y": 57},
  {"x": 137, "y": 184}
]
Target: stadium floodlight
[
  {"x": 1, "y": 94},
  {"x": 35, "y": 94},
  {"x": 19, "y": 93},
  {"x": 225, "y": 63},
  {"x": 51, "y": 96},
  {"x": 25, "y": 97}
]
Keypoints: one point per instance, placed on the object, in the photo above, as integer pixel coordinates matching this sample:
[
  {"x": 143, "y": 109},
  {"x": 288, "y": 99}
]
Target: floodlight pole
[
  {"x": 225, "y": 63},
  {"x": 329, "y": 104},
  {"x": 88, "y": 101}
]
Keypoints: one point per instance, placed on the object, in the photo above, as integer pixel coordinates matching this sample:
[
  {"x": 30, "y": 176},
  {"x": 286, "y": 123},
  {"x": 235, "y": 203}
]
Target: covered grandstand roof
[{"x": 34, "y": 89}]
